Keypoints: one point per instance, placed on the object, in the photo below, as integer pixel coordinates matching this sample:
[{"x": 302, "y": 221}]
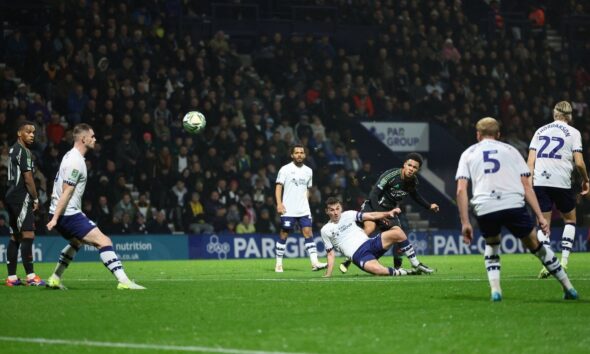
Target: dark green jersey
[
  {"x": 391, "y": 189},
  {"x": 21, "y": 161}
]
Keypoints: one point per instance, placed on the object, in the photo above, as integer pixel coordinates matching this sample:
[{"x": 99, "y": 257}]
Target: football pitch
[{"x": 243, "y": 307}]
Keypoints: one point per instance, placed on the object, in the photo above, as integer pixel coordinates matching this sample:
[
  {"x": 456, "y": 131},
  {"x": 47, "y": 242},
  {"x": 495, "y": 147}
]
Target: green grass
[{"x": 244, "y": 305}]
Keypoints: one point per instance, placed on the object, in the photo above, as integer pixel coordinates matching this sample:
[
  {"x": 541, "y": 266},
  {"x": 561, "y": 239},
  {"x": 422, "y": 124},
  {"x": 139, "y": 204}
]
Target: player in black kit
[
  {"x": 22, "y": 201},
  {"x": 389, "y": 190}
]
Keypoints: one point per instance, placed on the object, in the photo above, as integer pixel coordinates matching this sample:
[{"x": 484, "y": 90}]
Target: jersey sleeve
[
  {"x": 310, "y": 181},
  {"x": 519, "y": 162},
  {"x": 383, "y": 180},
  {"x": 577, "y": 142},
  {"x": 281, "y": 176},
  {"x": 534, "y": 145},
  {"x": 327, "y": 243},
  {"x": 463, "y": 168},
  {"x": 71, "y": 173},
  {"x": 25, "y": 161}
]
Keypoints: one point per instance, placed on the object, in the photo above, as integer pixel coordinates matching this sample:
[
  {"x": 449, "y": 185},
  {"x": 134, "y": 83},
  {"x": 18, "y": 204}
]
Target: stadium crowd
[{"x": 125, "y": 69}]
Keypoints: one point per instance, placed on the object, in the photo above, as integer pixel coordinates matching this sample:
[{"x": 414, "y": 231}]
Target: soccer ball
[{"x": 193, "y": 122}]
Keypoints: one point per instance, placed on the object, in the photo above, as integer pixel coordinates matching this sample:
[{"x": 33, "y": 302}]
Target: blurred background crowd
[{"x": 131, "y": 70}]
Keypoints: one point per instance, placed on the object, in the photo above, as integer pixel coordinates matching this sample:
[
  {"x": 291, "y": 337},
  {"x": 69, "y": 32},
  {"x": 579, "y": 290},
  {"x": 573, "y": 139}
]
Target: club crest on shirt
[{"x": 297, "y": 182}]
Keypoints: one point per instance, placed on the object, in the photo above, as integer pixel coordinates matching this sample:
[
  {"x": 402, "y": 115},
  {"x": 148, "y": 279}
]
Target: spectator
[
  {"x": 139, "y": 226},
  {"x": 264, "y": 224},
  {"x": 194, "y": 216},
  {"x": 158, "y": 225},
  {"x": 125, "y": 206},
  {"x": 245, "y": 226},
  {"x": 449, "y": 52},
  {"x": 127, "y": 154}
]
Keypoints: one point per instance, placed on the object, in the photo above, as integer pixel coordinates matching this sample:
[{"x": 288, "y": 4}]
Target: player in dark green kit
[
  {"x": 22, "y": 201},
  {"x": 391, "y": 188}
]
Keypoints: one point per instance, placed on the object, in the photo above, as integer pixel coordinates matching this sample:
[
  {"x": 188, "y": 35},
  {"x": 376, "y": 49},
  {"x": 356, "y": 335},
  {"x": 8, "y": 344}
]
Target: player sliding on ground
[
  {"x": 66, "y": 215},
  {"x": 391, "y": 188},
  {"x": 343, "y": 233}
]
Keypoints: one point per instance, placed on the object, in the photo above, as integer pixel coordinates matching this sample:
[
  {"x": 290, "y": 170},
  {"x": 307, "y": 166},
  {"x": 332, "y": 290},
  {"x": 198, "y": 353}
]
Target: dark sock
[
  {"x": 397, "y": 261},
  {"x": 26, "y": 252},
  {"x": 12, "y": 256}
]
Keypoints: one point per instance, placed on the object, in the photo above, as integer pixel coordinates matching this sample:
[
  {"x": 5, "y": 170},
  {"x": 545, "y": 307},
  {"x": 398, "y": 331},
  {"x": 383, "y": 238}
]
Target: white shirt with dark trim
[
  {"x": 495, "y": 170},
  {"x": 296, "y": 181},
  {"x": 555, "y": 144},
  {"x": 72, "y": 171},
  {"x": 345, "y": 235}
]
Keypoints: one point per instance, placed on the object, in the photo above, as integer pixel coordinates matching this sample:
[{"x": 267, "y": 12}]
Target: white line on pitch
[
  {"x": 334, "y": 279},
  {"x": 87, "y": 343}
]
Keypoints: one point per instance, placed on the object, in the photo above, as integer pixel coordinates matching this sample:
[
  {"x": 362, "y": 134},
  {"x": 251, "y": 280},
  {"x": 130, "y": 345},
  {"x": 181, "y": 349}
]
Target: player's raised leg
[{"x": 397, "y": 236}]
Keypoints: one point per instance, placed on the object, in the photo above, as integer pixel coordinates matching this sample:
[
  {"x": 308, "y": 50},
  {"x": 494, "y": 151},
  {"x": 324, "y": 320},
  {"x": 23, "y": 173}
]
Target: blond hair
[
  {"x": 488, "y": 126},
  {"x": 563, "y": 111}
]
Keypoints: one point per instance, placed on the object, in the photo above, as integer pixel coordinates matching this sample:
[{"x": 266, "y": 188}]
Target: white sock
[
  {"x": 567, "y": 242},
  {"x": 406, "y": 248},
  {"x": 547, "y": 257},
  {"x": 312, "y": 251},
  {"x": 31, "y": 275},
  {"x": 492, "y": 263},
  {"x": 112, "y": 262},
  {"x": 65, "y": 258},
  {"x": 280, "y": 251},
  {"x": 542, "y": 238}
]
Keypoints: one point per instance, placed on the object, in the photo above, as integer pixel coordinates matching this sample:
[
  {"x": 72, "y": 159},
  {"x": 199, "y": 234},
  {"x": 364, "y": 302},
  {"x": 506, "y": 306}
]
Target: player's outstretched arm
[
  {"x": 331, "y": 255},
  {"x": 63, "y": 201},
  {"x": 378, "y": 215}
]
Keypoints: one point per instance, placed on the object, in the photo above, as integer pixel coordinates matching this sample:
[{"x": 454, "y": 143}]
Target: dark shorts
[
  {"x": 383, "y": 224},
  {"x": 288, "y": 222},
  {"x": 371, "y": 249},
  {"x": 517, "y": 221},
  {"x": 21, "y": 216},
  {"x": 74, "y": 226},
  {"x": 564, "y": 199}
]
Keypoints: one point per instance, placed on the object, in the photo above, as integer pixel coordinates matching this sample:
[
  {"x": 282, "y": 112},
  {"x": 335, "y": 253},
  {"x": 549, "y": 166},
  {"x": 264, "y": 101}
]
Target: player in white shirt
[
  {"x": 291, "y": 193},
  {"x": 500, "y": 186},
  {"x": 66, "y": 214},
  {"x": 343, "y": 233},
  {"x": 554, "y": 150}
]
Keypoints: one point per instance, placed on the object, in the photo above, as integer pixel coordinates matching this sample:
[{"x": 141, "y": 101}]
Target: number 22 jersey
[{"x": 555, "y": 144}]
